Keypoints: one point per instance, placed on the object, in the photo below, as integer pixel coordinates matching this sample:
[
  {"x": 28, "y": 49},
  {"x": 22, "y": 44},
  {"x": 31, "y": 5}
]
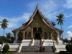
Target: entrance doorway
[
  {"x": 37, "y": 33},
  {"x": 37, "y": 36}
]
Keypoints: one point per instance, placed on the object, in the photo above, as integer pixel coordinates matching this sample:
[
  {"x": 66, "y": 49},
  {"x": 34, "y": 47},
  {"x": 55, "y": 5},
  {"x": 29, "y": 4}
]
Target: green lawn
[{"x": 7, "y": 53}]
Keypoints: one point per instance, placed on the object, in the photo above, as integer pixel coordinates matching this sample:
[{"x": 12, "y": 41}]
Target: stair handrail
[
  {"x": 32, "y": 42},
  {"x": 20, "y": 47}
]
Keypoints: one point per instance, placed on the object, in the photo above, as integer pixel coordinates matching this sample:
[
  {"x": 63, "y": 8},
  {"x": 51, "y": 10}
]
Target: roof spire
[{"x": 37, "y": 4}]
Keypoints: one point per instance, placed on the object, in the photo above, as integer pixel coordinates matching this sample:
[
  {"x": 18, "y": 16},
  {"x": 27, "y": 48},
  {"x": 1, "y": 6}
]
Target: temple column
[
  {"x": 32, "y": 37},
  {"x": 32, "y": 34},
  {"x": 23, "y": 34},
  {"x": 16, "y": 36},
  {"x": 58, "y": 37},
  {"x": 48, "y": 35},
  {"x": 52, "y": 36},
  {"x": 42, "y": 39}
]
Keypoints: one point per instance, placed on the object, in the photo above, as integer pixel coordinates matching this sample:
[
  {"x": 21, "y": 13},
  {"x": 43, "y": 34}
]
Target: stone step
[
  {"x": 35, "y": 53},
  {"x": 48, "y": 49},
  {"x": 29, "y": 48},
  {"x": 35, "y": 48}
]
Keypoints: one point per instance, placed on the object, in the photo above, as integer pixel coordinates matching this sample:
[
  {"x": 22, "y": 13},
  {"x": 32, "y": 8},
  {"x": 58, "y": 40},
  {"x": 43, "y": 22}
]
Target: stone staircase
[
  {"x": 35, "y": 53},
  {"x": 27, "y": 46},
  {"x": 35, "y": 48},
  {"x": 29, "y": 49},
  {"x": 48, "y": 49},
  {"x": 36, "y": 42}
]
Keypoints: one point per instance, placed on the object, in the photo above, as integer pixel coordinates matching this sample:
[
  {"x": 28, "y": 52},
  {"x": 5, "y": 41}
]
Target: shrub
[
  {"x": 53, "y": 48},
  {"x": 62, "y": 52},
  {"x": 69, "y": 47},
  {"x": 5, "y": 48}
]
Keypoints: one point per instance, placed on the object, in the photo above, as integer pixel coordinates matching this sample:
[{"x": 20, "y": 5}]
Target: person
[
  {"x": 37, "y": 44},
  {"x": 41, "y": 46}
]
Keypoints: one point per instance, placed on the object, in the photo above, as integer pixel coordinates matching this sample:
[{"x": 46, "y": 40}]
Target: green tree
[
  {"x": 2, "y": 39},
  {"x": 60, "y": 20},
  {"x": 4, "y": 25},
  {"x": 8, "y": 35},
  {"x": 53, "y": 23}
]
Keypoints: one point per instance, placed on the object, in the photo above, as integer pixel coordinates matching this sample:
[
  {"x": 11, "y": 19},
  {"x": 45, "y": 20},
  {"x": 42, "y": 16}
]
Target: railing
[
  {"x": 26, "y": 42},
  {"x": 12, "y": 43},
  {"x": 60, "y": 48},
  {"x": 20, "y": 47},
  {"x": 48, "y": 42}
]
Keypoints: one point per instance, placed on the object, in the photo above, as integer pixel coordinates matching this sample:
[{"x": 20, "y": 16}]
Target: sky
[{"x": 18, "y": 12}]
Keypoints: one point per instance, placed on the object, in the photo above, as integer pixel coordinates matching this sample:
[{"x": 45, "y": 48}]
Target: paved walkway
[{"x": 35, "y": 53}]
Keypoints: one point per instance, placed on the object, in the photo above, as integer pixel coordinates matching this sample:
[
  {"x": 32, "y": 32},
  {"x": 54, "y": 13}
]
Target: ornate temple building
[{"x": 37, "y": 28}]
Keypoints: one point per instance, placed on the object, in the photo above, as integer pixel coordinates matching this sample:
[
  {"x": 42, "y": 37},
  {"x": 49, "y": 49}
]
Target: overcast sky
[{"x": 18, "y": 12}]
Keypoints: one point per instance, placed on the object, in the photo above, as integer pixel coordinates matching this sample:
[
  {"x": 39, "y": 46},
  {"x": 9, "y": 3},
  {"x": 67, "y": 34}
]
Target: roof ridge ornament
[{"x": 37, "y": 7}]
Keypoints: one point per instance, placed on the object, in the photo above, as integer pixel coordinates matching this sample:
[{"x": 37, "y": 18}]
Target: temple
[{"x": 37, "y": 28}]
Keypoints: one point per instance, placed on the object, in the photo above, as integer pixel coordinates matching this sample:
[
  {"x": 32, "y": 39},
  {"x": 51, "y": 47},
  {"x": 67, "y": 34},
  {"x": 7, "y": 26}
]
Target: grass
[{"x": 7, "y": 53}]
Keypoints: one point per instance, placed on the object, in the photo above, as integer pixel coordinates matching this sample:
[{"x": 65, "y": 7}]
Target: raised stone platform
[{"x": 35, "y": 53}]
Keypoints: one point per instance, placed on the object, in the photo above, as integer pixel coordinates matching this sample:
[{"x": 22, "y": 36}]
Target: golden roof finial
[{"x": 37, "y": 4}]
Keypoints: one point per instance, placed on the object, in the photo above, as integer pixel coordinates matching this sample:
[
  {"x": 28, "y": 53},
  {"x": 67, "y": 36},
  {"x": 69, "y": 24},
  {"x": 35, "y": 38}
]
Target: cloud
[
  {"x": 47, "y": 7},
  {"x": 0, "y": 27},
  {"x": 68, "y": 4},
  {"x": 15, "y": 22},
  {"x": 70, "y": 27},
  {"x": 26, "y": 16},
  {"x": 31, "y": 6},
  {"x": 69, "y": 34},
  {"x": 67, "y": 15}
]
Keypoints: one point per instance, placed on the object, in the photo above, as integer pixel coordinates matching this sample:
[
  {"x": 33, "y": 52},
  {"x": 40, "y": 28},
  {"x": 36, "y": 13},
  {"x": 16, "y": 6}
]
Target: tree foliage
[
  {"x": 8, "y": 35},
  {"x": 5, "y": 48},
  {"x": 60, "y": 19},
  {"x": 69, "y": 47},
  {"x": 53, "y": 23},
  {"x": 4, "y": 24}
]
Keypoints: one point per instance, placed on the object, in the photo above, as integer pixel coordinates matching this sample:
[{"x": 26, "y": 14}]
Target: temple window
[{"x": 27, "y": 35}]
